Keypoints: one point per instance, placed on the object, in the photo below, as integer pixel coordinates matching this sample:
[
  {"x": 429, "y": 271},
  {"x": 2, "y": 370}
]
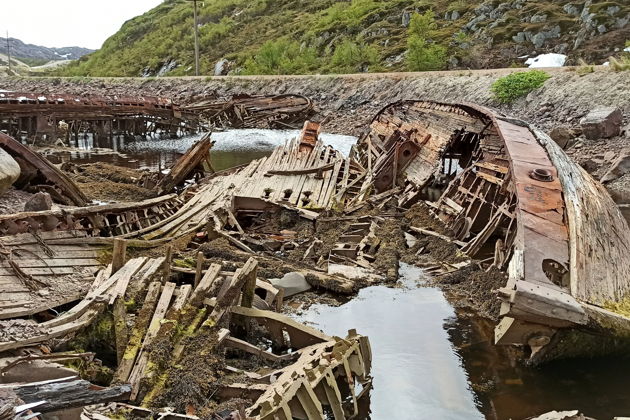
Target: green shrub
[
  {"x": 422, "y": 53},
  {"x": 507, "y": 89},
  {"x": 350, "y": 57},
  {"x": 212, "y": 32},
  {"x": 281, "y": 57},
  {"x": 621, "y": 63},
  {"x": 584, "y": 68}
]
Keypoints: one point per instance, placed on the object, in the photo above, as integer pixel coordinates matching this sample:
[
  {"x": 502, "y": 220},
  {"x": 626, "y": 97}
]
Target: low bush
[
  {"x": 423, "y": 54},
  {"x": 281, "y": 57},
  {"x": 509, "y": 88},
  {"x": 350, "y": 57}
]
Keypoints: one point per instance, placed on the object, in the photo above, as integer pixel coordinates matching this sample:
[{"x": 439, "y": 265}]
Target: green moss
[
  {"x": 622, "y": 307},
  {"x": 98, "y": 337},
  {"x": 185, "y": 263}
]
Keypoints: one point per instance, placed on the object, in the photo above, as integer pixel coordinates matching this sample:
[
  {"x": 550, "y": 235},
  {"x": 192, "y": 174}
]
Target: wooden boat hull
[{"x": 506, "y": 186}]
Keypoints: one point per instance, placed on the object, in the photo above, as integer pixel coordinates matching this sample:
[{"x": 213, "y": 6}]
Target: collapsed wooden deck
[{"x": 44, "y": 270}]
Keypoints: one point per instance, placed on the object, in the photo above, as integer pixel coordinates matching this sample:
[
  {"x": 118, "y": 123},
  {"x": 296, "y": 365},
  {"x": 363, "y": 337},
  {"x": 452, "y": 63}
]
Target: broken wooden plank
[
  {"x": 67, "y": 393},
  {"x": 138, "y": 332},
  {"x": 141, "y": 364}
]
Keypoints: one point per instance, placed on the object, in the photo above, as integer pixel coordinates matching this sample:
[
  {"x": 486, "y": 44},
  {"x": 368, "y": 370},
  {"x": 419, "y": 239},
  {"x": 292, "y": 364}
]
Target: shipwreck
[
  {"x": 509, "y": 195},
  {"x": 184, "y": 278}
]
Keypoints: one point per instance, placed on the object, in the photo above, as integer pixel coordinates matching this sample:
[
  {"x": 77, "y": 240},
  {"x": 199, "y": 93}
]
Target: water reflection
[
  {"x": 417, "y": 374},
  {"x": 231, "y": 148},
  {"x": 511, "y": 390}
]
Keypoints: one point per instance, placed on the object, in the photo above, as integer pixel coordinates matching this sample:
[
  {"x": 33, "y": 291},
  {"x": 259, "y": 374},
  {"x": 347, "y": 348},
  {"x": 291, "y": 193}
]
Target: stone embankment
[{"x": 350, "y": 101}]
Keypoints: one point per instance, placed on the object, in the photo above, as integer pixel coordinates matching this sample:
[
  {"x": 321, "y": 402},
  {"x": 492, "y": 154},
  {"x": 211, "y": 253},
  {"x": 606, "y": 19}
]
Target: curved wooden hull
[{"x": 507, "y": 187}]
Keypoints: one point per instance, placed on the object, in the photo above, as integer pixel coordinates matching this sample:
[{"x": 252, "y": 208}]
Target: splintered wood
[
  {"x": 281, "y": 111},
  {"x": 105, "y": 289},
  {"x": 497, "y": 190}
]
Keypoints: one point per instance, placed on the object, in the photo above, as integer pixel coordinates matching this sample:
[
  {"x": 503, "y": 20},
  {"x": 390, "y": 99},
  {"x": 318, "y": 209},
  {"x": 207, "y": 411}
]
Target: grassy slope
[{"x": 236, "y": 29}]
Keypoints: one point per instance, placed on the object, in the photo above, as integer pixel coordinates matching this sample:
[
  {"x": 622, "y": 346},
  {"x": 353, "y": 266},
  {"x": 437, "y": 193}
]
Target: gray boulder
[
  {"x": 612, "y": 10},
  {"x": 222, "y": 67},
  {"x": 541, "y": 37},
  {"x": 602, "y": 123},
  {"x": 292, "y": 283},
  {"x": 572, "y": 9},
  {"x": 619, "y": 167},
  {"x": 472, "y": 25},
  {"x": 39, "y": 202},
  {"x": 542, "y": 18},
  {"x": 621, "y": 23},
  {"x": 9, "y": 171}
]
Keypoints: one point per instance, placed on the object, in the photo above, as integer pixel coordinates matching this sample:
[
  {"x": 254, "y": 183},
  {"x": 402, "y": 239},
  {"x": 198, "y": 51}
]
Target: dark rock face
[
  {"x": 602, "y": 123},
  {"x": 39, "y": 202}
]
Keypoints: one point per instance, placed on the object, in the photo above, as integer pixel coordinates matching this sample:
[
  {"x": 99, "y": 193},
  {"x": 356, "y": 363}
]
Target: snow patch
[
  {"x": 546, "y": 60},
  {"x": 627, "y": 49}
]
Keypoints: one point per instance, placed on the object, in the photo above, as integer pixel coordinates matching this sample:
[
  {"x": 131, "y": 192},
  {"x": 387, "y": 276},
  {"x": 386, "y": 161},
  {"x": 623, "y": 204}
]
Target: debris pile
[
  {"x": 191, "y": 285},
  {"x": 281, "y": 111}
]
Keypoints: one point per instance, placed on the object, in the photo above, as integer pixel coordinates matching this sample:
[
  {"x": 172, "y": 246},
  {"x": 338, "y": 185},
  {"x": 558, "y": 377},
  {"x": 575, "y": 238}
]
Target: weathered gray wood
[
  {"x": 204, "y": 285},
  {"x": 70, "y": 394},
  {"x": 137, "y": 333},
  {"x": 119, "y": 254},
  {"x": 600, "y": 271}
]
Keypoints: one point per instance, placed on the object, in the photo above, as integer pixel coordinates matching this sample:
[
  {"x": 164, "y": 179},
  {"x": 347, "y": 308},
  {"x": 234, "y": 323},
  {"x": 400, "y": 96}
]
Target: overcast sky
[{"x": 68, "y": 23}]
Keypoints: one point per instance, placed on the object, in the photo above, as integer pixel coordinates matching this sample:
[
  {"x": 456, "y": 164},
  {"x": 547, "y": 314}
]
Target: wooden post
[
  {"x": 199, "y": 271},
  {"x": 248, "y": 289},
  {"x": 119, "y": 255},
  {"x": 167, "y": 263},
  {"x": 279, "y": 300}
]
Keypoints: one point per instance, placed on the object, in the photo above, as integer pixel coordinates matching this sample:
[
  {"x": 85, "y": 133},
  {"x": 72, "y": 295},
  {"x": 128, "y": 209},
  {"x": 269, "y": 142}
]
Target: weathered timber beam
[{"x": 71, "y": 393}]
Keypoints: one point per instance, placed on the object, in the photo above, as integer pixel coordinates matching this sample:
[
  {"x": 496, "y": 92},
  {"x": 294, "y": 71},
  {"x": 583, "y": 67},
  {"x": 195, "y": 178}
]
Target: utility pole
[
  {"x": 9, "y": 52},
  {"x": 196, "y": 36}
]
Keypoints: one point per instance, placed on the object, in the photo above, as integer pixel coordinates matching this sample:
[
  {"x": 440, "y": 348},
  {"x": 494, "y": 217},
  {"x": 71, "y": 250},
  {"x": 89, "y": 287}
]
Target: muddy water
[
  {"x": 231, "y": 148},
  {"x": 427, "y": 356}
]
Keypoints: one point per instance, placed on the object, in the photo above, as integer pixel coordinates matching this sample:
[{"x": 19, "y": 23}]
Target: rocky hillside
[
  {"x": 326, "y": 36},
  {"x": 37, "y": 55}
]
